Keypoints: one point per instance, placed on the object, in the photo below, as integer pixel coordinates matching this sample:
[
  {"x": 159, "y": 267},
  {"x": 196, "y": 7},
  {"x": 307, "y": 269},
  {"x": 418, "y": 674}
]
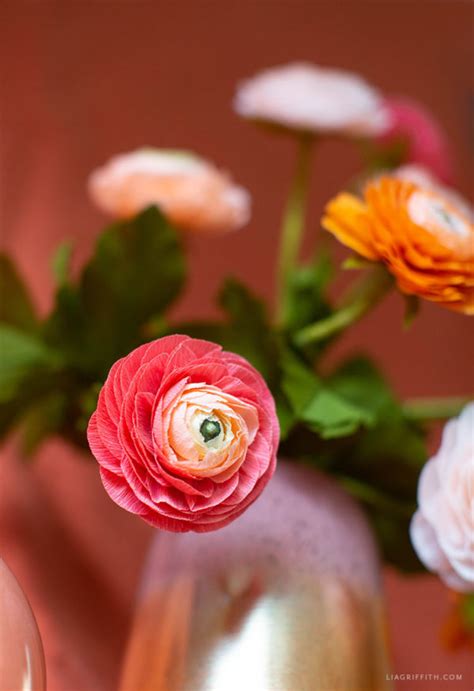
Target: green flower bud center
[{"x": 210, "y": 429}]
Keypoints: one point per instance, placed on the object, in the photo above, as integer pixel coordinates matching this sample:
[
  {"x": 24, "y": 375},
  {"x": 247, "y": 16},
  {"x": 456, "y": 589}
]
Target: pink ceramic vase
[
  {"x": 21, "y": 653},
  {"x": 286, "y": 598}
]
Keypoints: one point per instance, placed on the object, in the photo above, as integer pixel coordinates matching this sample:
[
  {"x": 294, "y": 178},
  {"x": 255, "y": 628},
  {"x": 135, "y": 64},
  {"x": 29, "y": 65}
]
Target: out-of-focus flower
[
  {"x": 424, "y": 236},
  {"x": 423, "y": 177},
  {"x": 442, "y": 530},
  {"x": 185, "y": 434},
  {"x": 308, "y": 98},
  {"x": 190, "y": 191},
  {"x": 418, "y": 175},
  {"x": 426, "y": 144}
]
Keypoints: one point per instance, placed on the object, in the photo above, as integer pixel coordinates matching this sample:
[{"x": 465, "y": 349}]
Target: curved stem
[
  {"x": 363, "y": 298},
  {"x": 293, "y": 223},
  {"x": 434, "y": 408}
]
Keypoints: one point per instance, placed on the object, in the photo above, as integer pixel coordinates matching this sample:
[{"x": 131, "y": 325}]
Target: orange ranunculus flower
[{"x": 424, "y": 235}]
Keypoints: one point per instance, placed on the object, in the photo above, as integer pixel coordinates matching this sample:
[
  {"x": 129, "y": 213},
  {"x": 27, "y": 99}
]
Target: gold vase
[
  {"x": 286, "y": 598},
  {"x": 21, "y": 653}
]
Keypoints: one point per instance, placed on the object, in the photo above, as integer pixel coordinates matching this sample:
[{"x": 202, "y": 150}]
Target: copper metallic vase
[
  {"x": 21, "y": 652},
  {"x": 286, "y": 598}
]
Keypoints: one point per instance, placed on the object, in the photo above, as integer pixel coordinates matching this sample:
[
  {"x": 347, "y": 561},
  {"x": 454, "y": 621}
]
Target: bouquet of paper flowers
[{"x": 186, "y": 419}]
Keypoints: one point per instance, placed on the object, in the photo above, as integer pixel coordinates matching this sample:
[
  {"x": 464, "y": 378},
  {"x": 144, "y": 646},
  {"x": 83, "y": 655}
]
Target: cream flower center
[
  {"x": 207, "y": 431},
  {"x": 210, "y": 429},
  {"x": 437, "y": 215}
]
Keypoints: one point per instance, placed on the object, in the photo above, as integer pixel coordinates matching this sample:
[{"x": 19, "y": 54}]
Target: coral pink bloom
[
  {"x": 190, "y": 191},
  {"x": 427, "y": 144},
  {"x": 185, "y": 433}
]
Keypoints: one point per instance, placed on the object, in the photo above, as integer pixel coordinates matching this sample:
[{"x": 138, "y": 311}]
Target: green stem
[
  {"x": 363, "y": 298},
  {"x": 434, "y": 408},
  {"x": 293, "y": 223},
  {"x": 375, "y": 498}
]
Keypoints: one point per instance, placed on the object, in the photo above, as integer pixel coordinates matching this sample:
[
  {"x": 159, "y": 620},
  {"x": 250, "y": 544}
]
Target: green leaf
[
  {"x": 61, "y": 263},
  {"x": 22, "y": 355},
  {"x": 247, "y": 330},
  {"x": 332, "y": 416},
  {"x": 394, "y": 442},
  {"x": 16, "y": 307},
  {"x": 387, "y": 458},
  {"x": 299, "y": 383},
  {"x": 359, "y": 382},
  {"x": 378, "y": 463},
  {"x": 136, "y": 272},
  {"x": 307, "y": 301},
  {"x": 317, "y": 403},
  {"x": 29, "y": 371},
  {"x": 66, "y": 327}
]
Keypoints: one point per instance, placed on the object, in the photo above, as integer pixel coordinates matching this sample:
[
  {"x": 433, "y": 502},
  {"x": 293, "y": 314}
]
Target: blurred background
[{"x": 84, "y": 80}]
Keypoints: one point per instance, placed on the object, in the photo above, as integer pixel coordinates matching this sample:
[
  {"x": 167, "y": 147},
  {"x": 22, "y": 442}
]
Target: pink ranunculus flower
[
  {"x": 427, "y": 145},
  {"x": 310, "y": 98},
  {"x": 185, "y": 433},
  {"x": 190, "y": 191},
  {"x": 442, "y": 530}
]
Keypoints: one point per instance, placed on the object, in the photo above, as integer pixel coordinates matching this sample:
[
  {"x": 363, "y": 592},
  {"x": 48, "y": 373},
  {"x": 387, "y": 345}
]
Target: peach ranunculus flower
[
  {"x": 309, "y": 98},
  {"x": 190, "y": 191},
  {"x": 442, "y": 530},
  {"x": 423, "y": 233},
  {"x": 185, "y": 433}
]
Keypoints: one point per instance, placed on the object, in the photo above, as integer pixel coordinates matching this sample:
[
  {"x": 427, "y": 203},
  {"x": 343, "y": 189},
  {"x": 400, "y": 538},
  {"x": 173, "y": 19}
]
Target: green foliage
[
  {"x": 306, "y": 300},
  {"x": 387, "y": 459},
  {"x": 16, "y": 307},
  {"x": 50, "y": 373},
  {"x": 246, "y": 329},
  {"x": 378, "y": 460},
  {"x": 318, "y": 403},
  {"x": 348, "y": 422},
  {"x": 136, "y": 271},
  {"x": 22, "y": 355}
]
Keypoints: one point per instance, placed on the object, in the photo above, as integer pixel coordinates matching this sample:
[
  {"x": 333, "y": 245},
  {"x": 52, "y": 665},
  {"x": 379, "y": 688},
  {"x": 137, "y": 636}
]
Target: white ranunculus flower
[
  {"x": 442, "y": 530},
  {"x": 190, "y": 191},
  {"x": 305, "y": 97}
]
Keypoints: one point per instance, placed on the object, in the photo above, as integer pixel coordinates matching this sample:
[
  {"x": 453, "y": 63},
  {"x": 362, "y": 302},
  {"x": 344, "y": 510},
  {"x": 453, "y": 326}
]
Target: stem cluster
[{"x": 362, "y": 298}]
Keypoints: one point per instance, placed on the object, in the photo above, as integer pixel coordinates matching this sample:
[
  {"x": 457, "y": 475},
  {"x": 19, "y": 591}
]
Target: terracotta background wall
[{"x": 83, "y": 80}]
